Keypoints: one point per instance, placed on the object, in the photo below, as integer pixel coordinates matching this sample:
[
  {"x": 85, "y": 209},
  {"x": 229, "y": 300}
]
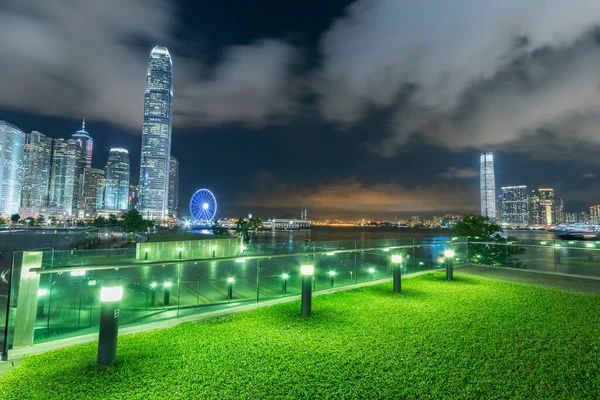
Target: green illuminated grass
[{"x": 470, "y": 338}]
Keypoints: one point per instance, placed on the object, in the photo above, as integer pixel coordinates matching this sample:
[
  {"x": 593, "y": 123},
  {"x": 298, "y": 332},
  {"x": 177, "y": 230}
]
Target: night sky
[{"x": 351, "y": 109}]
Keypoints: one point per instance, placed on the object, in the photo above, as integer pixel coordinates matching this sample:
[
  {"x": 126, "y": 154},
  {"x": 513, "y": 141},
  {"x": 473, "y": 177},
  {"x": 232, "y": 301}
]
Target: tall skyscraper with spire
[
  {"x": 156, "y": 136},
  {"x": 487, "y": 185},
  {"x": 87, "y": 144}
]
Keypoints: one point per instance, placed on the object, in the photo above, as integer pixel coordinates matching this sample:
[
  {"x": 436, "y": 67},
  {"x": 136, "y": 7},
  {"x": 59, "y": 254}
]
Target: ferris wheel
[{"x": 203, "y": 205}]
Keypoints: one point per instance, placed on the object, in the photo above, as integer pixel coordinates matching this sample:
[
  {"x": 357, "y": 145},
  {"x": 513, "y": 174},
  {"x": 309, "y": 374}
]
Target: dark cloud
[
  {"x": 486, "y": 74},
  {"x": 459, "y": 173},
  {"x": 83, "y": 57}
]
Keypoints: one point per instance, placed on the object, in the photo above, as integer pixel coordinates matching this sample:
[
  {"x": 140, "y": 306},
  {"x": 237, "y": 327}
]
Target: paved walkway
[{"x": 536, "y": 278}]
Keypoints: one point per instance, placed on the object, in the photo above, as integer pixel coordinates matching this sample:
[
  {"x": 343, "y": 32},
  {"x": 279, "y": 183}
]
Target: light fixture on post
[
  {"x": 307, "y": 272},
  {"x": 146, "y": 250},
  {"x": 372, "y": 272},
  {"x": 214, "y": 251},
  {"x": 167, "y": 293},
  {"x": 397, "y": 272},
  {"x": 284, "y": 284},
  {"x": 180, "y": 251},
  {"x": 110, "y": 301},
  {"x": 449, "y": 254},
  {"x": 153, "y": 286},
  {"x": 230, "y": 282},
  {"x": 331, "y": 275}
]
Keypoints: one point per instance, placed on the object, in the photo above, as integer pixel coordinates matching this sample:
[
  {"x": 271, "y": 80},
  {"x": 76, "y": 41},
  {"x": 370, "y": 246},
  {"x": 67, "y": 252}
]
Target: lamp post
[
  {"x": 153, "y": 286},
  {"x": 397, "y": 272},
  {"x": 307, "y": 272},
  {"x": 214, "y": 250},
  {"x": 284, "y": 284},
  {"x": 146, "y": 250},
  {"x": 167, "y": 294},
  {"x": 449, "y": 254},
  {"x": 331, "y": 275},
  {"x": 110, "y": 298},
  {"x": 230, "y": 282},
  {"x": 180, "y": 250}
]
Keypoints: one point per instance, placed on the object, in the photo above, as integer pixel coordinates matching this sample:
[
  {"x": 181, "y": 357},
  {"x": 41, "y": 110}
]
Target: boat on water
[{"x": 577, "y": 235}]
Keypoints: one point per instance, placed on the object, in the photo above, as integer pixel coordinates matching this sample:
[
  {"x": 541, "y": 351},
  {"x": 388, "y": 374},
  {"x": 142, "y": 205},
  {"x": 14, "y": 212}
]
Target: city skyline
[{"x": 327, "y": 130}]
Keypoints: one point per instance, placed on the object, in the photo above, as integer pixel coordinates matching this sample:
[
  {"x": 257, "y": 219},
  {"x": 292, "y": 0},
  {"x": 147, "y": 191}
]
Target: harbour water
[{"x": 325, "y": 233}]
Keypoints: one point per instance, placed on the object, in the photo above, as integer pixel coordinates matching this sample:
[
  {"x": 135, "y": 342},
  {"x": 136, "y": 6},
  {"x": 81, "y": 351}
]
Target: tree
[
  {"x": 480, "y": 229},
  {"x": 40, "y": 220},
  {"x": 247, "y": 228},
  {"x": 133, "y": 222},
  {"x": 15, "y": 218},
  {"x": 218, "y": 230},
  {"x": 112, "y": 220}
]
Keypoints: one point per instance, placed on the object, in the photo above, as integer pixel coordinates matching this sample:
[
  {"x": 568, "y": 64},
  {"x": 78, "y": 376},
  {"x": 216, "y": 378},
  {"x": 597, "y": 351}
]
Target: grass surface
[{"x": 470, "y": 338}]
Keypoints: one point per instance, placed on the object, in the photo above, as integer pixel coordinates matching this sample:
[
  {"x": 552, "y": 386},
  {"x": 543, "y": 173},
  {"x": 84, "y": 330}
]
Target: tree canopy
[
  {"x": 133, "y": 221},
  {"x": 486, "y": 245}
]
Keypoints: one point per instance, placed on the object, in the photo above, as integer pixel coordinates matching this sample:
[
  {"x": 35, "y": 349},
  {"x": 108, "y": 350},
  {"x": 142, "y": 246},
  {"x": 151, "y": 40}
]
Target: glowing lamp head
[
  {"x": 168, "y": 284},
  {"x": 589, "y": 245},
  {"x": 205, "y": 206},
  {"x": 449, "y": 253},
  {"x": 240, "y": 260},
  {"x": 285, "y": 276},
  {"x": 114, "y": 293},
  {"x": 146, "y": 249},
  {"x": 331, "y": 253},
  {"x": 307, "y": 269},
  {"x": 214, "y": 248},
  {"x": 78, "y": 272},
  {"x": 371, "y": 270},
  {"x": 230, "y": 280},
  {"x": 92, "y": 282},
  {"x": 397, "y": 259},
  {"x": 331, "y": 273},
  {"x": 153, "y": 285},
  {"x": 42, "y": 292},
  {"x": 179, "y": 248}
]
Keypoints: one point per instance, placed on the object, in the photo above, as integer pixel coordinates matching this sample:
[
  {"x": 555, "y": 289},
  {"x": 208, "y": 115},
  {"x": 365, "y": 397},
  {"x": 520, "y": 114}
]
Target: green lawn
[{"x": 470, "y": 338}]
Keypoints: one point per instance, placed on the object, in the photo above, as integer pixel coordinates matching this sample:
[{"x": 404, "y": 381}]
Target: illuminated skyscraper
[
  {"x": 487, "y": 185},
  {"x": 36, "y": 170},
  {"x": 156, "y": 135},
  {"x": 541, "y": 207},
  {"x": 116, "y": 194},
  {"x": 12, "y": 143},
  {"x": 173, "y": 187},
  {"x": 93, "y": 190},
  {"x": 515, "y": 206},
  {"x": 87, "y": 145},
  {"x": 66, "y": 174}
]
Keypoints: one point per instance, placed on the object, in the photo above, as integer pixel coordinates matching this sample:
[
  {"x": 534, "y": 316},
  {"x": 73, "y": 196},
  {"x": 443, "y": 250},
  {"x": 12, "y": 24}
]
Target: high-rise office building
[
  {"x": 515, "y": 206},
  {"x": 487, "y": 185},
  {"x": 559, "y": 211},
  {"x": 87, "y": 145},
  {"x": 12, "y": 143},
  {"x": 66, "y": 174},
  {"x": 134, "y": 196},
  {"x": 116, "y": 194},
  {"x": 36, "y": 170},
  {"x": 156, "y": 135},
  {"x": 594, "y": 215},
  {"x": 173, "y": 187},
  {"x": 93, "y": 190},
  {"x": 541, "y": 207}
]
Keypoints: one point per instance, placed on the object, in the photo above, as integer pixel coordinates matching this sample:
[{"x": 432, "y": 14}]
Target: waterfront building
[
  {"x": 116, "y": 194},
  {"x": 37, "y": 160},
  {"x": 173, "y": 187},
  {"x": 93, "y": 191},
  {"x": 156, "y": 135},
  {"x": 65, "y": 175},
  {"x": 487, "y": 185},
  {"x": 12, "y": 143},
  {"x": 515, "y": 212},
  {"x": 594, "y": 215}
]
